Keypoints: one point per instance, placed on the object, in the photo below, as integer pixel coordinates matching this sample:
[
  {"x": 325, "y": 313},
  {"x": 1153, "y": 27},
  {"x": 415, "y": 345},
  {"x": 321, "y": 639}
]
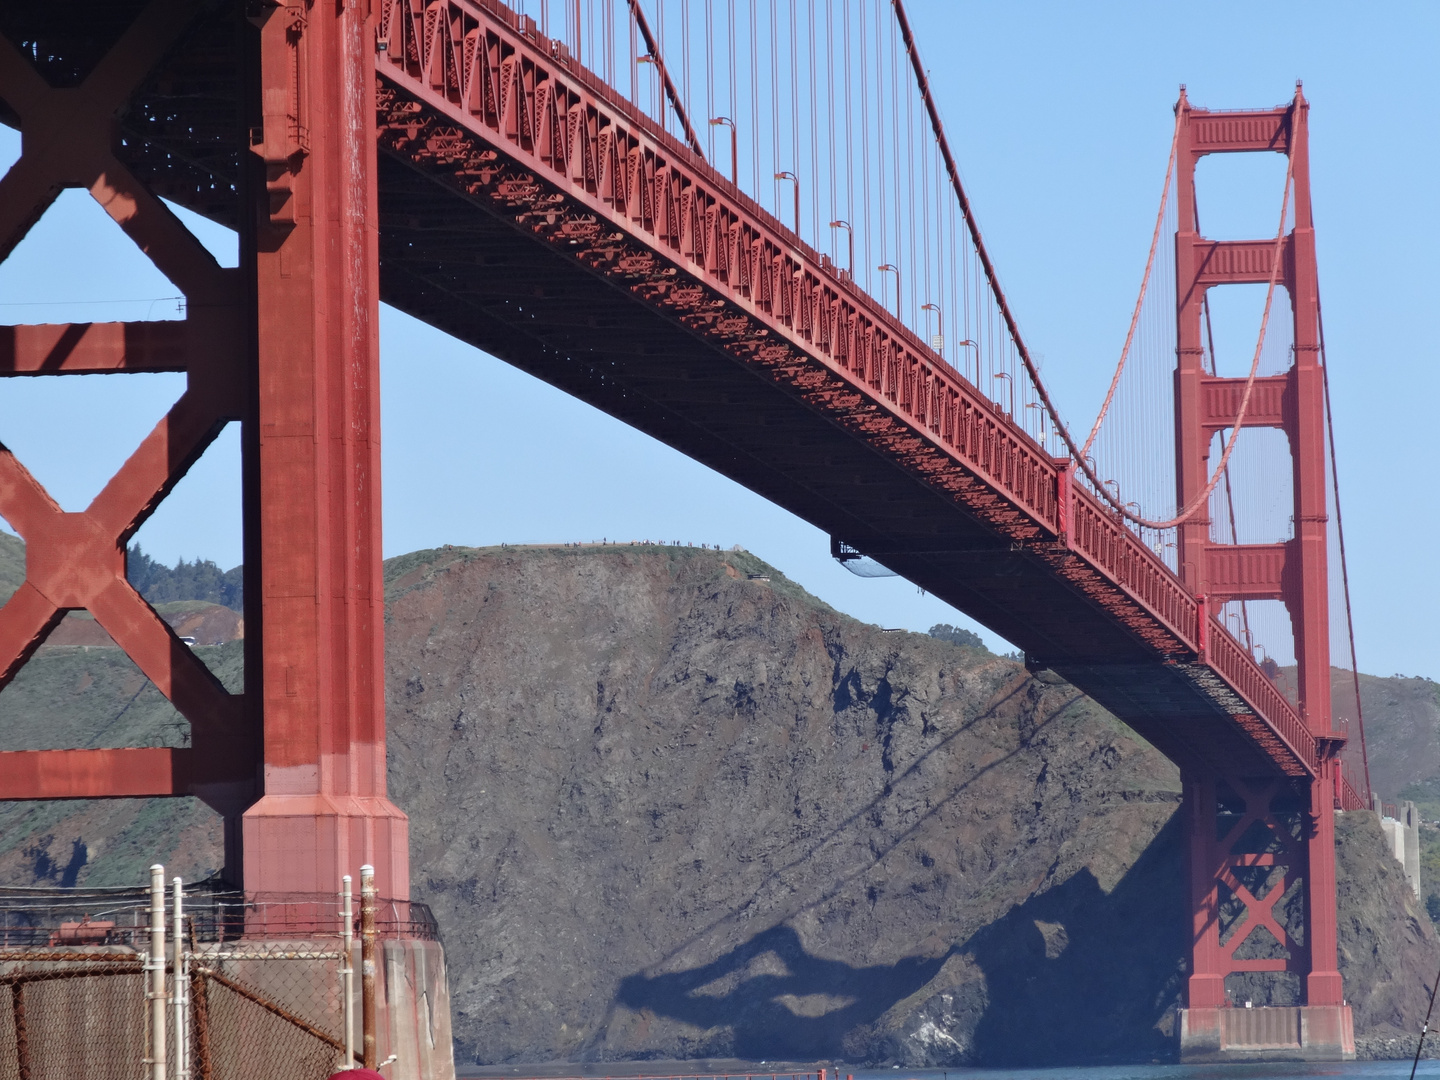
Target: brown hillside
[{"x": 665, "y": 809}]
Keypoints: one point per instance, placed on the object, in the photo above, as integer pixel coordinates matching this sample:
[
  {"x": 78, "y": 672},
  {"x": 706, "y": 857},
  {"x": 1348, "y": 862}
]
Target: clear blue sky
[{"x": 1061, "y": 117}]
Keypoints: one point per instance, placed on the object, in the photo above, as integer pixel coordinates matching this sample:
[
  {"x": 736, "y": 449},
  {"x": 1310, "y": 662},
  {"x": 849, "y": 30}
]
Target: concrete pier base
[
  {"x": 413, "y": 1010},
  {"x": 1275, "y": 1033}
]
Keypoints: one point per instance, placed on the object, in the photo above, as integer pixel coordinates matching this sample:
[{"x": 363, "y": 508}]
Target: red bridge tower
[
  {"x": 1254, "y": 841},
  {"x": 287, "y": 346}
]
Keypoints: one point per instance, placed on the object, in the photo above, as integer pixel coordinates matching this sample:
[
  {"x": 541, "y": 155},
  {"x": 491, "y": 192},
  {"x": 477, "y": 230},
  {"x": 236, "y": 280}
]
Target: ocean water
[{"x": 1354, "y": 1070}]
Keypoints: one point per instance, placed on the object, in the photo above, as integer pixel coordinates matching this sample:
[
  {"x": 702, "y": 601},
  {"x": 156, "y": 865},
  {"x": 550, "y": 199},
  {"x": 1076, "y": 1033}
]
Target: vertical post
[
  {"x": 315, "y": 250},
  {"x": 367, "y": 964},
  {"x": 1206, "y": 985},
  {"x": 155, "y": 972},
  {"x": 1192, "y": 438},
  {"x": 347, "y": 969},
  {"x": 22, "y": 1030},
  {"x": 203, "y": 1068},
  {"x": 181, "y": 984},
  {"x": 1323, "y": 983}
]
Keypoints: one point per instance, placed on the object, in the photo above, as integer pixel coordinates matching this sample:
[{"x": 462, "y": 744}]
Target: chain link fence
[{"x": 250, "y": 986}]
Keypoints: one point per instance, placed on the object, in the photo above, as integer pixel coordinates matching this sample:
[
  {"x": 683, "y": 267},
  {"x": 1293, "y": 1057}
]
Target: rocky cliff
[
  {"x": 687, "y": 811},
  {"x": 666, "y": 804}
]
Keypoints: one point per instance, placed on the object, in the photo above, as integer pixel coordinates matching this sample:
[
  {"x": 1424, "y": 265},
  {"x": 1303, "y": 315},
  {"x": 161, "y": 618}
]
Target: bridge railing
[
  {"x": 1350, "y": 798},
  {"x": 1237, "y": 667},
  {"x": 583, "y": 164},
  {"x": 1112, "y": 547}
]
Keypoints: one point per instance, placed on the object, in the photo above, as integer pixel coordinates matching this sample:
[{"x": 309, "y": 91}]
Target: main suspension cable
[
  {"x": 690, "y": 137},
  {"x": 1003, "y": 305}
]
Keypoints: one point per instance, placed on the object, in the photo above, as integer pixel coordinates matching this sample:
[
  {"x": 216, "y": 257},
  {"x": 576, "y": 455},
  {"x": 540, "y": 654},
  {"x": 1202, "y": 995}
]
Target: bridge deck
[{"x": 528, "y": 211}]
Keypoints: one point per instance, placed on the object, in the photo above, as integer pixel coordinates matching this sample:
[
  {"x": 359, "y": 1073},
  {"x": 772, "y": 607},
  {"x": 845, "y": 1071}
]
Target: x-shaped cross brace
[
  {"x": 1259, "y": 911},
  {"x": 77, "y": 560}
]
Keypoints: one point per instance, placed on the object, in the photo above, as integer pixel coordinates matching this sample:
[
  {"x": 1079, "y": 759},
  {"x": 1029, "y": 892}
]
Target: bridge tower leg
[
  {"x": 312, "y": 238},
  {"x": 286, "y": 345},
  {"x": 1251, "y": 837}
]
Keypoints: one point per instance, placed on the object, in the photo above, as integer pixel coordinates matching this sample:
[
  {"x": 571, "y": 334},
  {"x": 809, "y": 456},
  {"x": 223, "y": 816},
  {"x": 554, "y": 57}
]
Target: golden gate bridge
[{"x": 741, "y": 229}]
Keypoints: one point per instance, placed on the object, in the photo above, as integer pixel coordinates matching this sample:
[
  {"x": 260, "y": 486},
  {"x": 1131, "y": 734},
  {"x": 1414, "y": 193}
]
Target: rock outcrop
[{"x": 665, "y": 805}]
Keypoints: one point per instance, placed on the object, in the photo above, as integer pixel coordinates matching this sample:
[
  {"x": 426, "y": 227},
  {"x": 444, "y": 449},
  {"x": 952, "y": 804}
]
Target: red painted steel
[
  {"x": 323, "y": 809},
  {"x": 1293, "y": 572},
  {"x": 473, "y": 95},
  {"x": 297, "y": 357},
  {"x": 469, "y": 96},
  {"x": 77, "y": 560}
]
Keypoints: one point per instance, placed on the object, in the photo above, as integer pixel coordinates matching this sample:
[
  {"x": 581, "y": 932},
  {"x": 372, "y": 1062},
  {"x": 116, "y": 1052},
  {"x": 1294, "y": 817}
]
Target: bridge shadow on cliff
[
  {"x": 1076, "y": 974},
  {"x": 780, "y": 1001},
  {"x": 1073, "y": 975}
]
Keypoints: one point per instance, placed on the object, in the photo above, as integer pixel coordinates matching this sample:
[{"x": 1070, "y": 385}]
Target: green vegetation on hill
[
  {"x": 198, "y": 580},
  {"x": 201, "y": 580},
  {"x": 77, "y": 696},
  {"x": 956, "y": 636}
]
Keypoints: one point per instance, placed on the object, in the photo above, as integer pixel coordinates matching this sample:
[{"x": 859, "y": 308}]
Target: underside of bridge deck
[{"x": 449, "y": 262}]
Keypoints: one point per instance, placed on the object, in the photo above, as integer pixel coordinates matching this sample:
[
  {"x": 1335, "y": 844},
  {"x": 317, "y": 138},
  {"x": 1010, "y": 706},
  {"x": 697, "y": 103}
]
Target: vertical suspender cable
[
  {"x": 814, "y": 137},
  {"x": 794, "y": 106},
  {"x": 865, "y": 127},
  {"x": 882, "y": 207},
  {"x": 774, "y": 51},
  {"x": 710, "y": 72},
  {"x": 754, "y": 88},
  {"x": 1340, "y": 530},
  {"x": 830, "y": 98}
]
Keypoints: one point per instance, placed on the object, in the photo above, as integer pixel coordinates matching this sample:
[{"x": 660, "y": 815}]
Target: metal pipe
[
  {"x": 787, "y": 175},
  {"x": 896, "y": 270},
  {"x": 155, "y": 969},
  {"x": 181, "y": 995},
  {"x": 725, "y": 121},
  {"x": 850, "y": 232},
  {"x": 367, "y": 963},
  {"x": 347, "y": 968},
  {"x": 1011, "y": 383},
  {"x": 940, "y": 323}
]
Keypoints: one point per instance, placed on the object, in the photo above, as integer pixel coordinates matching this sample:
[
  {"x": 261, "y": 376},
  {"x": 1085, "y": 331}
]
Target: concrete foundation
[
  {"x": 1402, "y": 833},
  {"x": 414, "y": 1013},
  {"x": 1275, "y": 1033}
]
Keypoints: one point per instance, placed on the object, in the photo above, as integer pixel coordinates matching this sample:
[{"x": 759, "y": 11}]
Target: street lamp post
[
  {"x": 938, "y": 341},
  {"x": 725, "y": 121},
  {"x": 973, "y": 345},
  {"x": 850, "y": 232},
  {"x": 1041, "y": 408},
  {"x": 896, "y": 271},
  {"x": 1011, "y": 383},
  {"x": 787, "y": 175}
]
